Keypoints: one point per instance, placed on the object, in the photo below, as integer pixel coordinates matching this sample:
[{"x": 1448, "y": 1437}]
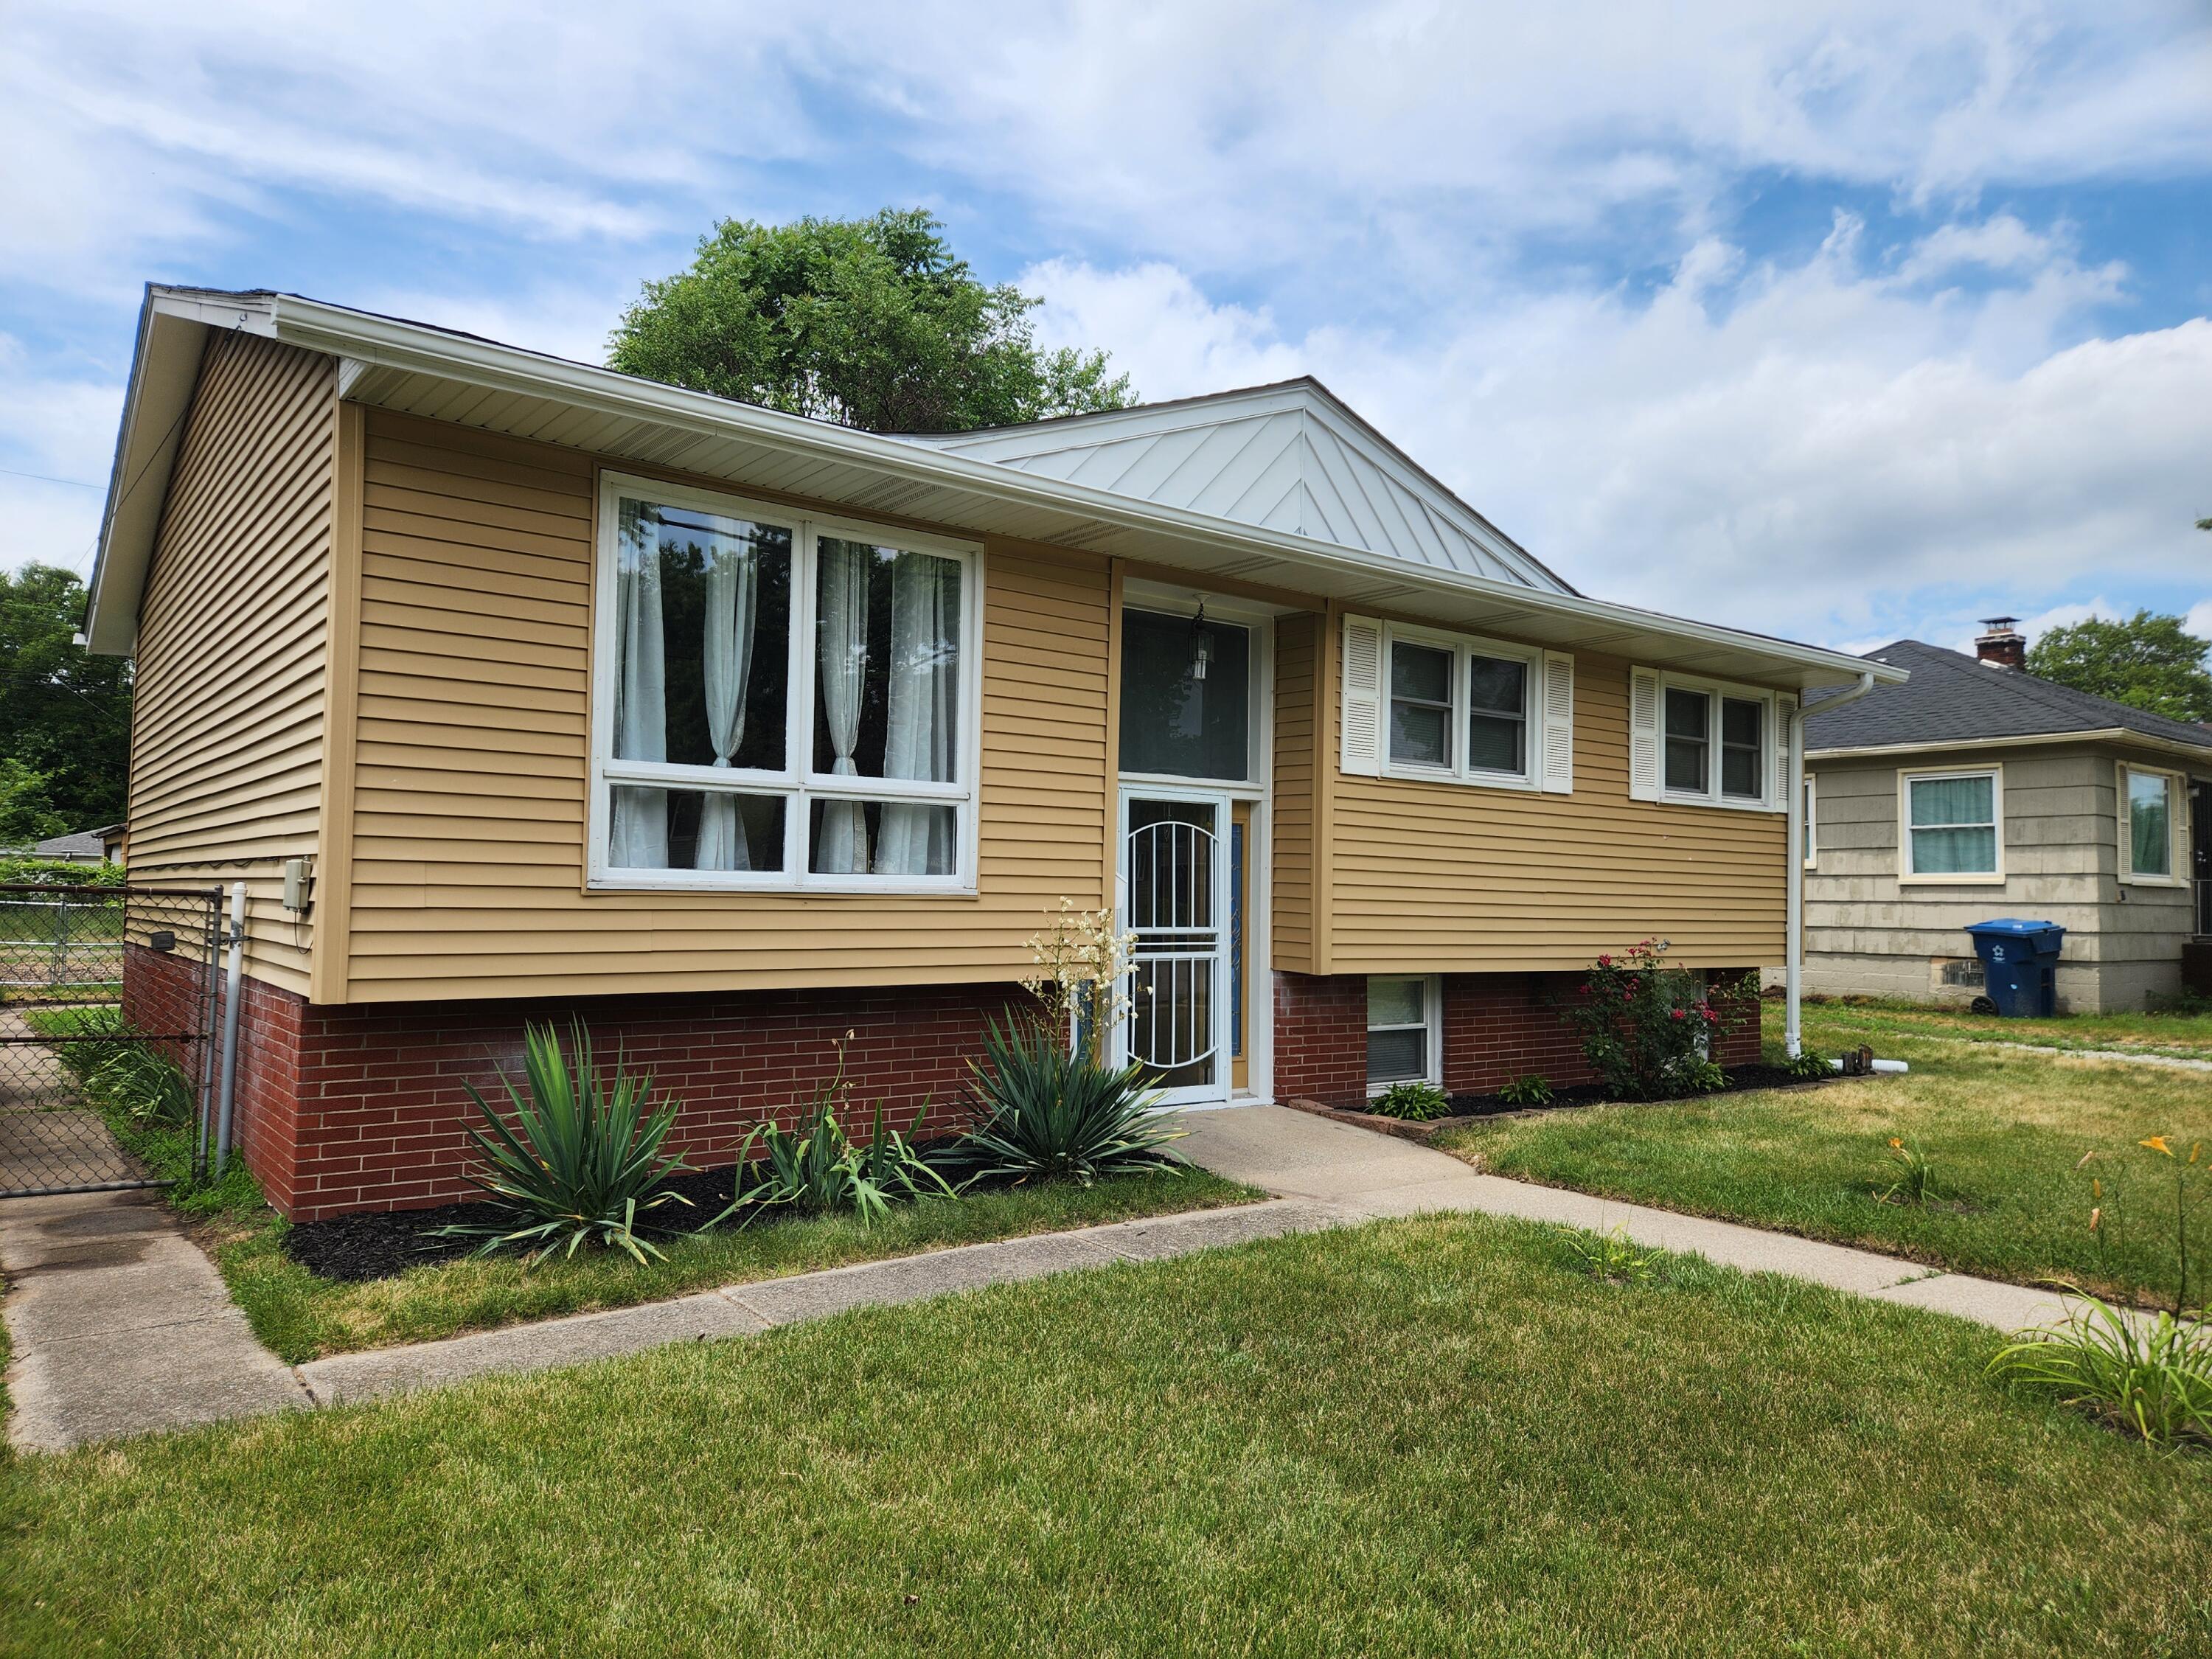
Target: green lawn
[
  {"x": 300, "y": 1316},
  {"x": 2005, "y": 1129},
  {"x": 1424, "y": 1437},
  {"x": 1854, "y": 1020}
]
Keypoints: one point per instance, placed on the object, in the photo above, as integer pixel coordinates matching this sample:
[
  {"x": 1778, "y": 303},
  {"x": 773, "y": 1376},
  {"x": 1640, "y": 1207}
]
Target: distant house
[
  {"x": 100, "y": 846},
  {"x": 1976, "y": 790}
]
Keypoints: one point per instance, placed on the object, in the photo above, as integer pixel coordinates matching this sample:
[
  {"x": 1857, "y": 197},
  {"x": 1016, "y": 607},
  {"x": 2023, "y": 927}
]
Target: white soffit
[{"x": 1289, "y": 457}]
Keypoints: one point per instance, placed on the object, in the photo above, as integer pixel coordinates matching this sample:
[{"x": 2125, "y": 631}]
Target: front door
[{"x": 1176, "y": 897}]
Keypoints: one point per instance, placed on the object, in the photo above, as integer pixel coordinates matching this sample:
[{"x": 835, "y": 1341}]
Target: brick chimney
[{"x": 2001, "y": 644}]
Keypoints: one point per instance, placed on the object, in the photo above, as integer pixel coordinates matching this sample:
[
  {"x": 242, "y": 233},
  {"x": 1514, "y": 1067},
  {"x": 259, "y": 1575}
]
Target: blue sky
[{"x": 1844, "y": 322}]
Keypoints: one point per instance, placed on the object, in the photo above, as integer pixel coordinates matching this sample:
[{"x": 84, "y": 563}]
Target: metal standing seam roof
[
  {"x": 1291, "y": 456},
  {"x": 1953, "y": 698}
]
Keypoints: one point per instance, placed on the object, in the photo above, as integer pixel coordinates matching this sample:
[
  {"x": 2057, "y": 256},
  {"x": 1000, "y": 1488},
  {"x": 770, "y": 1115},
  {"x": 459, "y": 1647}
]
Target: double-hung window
[
  {"x": 1464, "y": 710},
  {"x": 1705, "y": 742},
  {"x": 1953, "y": 826},
  {"x": 779, "y": 700},
  {"x": 2150, "y": 808},
  {"x": 1402, "y": 1025}
]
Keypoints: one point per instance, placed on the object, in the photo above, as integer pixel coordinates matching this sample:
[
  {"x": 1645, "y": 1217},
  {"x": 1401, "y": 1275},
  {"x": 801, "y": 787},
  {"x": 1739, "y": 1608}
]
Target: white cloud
[{"x": 1824, "y": 454}]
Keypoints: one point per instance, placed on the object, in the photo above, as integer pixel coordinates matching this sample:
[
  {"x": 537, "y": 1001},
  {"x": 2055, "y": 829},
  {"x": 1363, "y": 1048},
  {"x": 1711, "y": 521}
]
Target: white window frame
[
  {"x": 1905, "y": 872},
  {"x": 796, "y": 782},
  {"x": 1432, "y": 1009},
  {"x": 1772, "y": 791},
  {"x": 2177, "y": 827},
  {"x": 1461, "y": 647},
  {"x": 1812, "y": 848}
]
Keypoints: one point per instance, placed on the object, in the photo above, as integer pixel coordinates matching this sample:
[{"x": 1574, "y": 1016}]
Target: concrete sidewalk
[
  {"x": 120, "y": 1325},
  {"x": 1365, "y": 1176}
]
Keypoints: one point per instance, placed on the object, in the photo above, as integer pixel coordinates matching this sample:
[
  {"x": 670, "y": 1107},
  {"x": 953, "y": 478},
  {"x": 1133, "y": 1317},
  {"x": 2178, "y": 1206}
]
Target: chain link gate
[{"x": 108, "y": 1012}]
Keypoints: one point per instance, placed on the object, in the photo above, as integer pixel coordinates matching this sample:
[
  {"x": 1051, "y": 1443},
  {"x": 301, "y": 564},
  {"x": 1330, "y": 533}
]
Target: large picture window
[
  {"x": 778, "y": 702},
  {"x": 1953, "y": 826}
]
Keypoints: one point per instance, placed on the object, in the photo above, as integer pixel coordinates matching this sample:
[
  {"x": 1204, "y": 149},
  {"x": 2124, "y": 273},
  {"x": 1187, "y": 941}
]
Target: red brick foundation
[
  {"x": 1497, "y": 1027},
  {"x": 365, "y": 1108}
]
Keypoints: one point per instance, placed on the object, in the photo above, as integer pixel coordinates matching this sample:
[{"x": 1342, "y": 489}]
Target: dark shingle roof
[{"x": 1952, "y": 697}]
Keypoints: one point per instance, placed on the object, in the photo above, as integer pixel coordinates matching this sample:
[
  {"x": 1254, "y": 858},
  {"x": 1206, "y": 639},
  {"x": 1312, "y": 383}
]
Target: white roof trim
[
  {"x": 2110, "y": 734},
  {"x": 381, "y": 356}
]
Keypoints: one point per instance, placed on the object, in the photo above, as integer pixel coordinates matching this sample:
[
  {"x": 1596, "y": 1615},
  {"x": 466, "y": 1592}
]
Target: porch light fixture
[{"x": 1201, "y": 644}]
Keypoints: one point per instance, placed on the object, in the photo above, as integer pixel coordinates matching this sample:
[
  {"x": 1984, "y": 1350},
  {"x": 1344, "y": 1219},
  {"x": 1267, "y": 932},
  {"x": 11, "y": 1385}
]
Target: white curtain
[
  {"x": 843, "y": 637},
  {"x": 638, "y": 834},
  {"x": 733, "y": 583},
  {"x": 916, "y": 840}
]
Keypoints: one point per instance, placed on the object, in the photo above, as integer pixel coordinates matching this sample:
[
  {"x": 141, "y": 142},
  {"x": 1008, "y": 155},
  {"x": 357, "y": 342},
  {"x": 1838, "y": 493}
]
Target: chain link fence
[{"x": 107, "y": 1010}]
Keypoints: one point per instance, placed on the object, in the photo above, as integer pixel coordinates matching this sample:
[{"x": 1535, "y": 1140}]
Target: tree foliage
[
  {"x": 65, "y": 715},
  {"x": 870, "y": 323},
  {"x": 2149, "y": 661}
]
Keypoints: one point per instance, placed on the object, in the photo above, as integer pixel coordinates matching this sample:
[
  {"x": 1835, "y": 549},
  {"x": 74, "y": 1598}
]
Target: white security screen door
[{"x": 1176, "y": 899}]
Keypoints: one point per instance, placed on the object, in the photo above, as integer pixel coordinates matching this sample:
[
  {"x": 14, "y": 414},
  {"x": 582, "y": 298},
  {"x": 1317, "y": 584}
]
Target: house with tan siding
[
  {"x": 561, "y": 693},
  {"x": 1977, "y": 792}
]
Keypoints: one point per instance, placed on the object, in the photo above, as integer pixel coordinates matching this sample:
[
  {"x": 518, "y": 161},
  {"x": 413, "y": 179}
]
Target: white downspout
[{"x": 1793, "y": 886}]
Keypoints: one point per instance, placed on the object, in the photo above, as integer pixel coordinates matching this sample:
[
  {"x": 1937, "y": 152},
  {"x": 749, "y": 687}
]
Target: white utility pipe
[
  {"x": 234, "y": 971},
  {"x": 1793, "y": 886},
  {"x": 1892, "y": 1066}
]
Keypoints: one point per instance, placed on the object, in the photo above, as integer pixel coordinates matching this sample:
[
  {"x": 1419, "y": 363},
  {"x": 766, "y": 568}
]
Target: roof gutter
[
  {"x": 1793, "y": 880},
  {"x": 2200, "y": 753},
  {"x": 369, "y": 339}
]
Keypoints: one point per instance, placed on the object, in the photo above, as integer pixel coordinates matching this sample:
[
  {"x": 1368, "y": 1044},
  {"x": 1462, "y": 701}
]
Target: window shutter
[
  {"x": 1642, "y": 734},
  {"x": 1785, "y": 732},
  {"x": 1558, "y": 723},
  {"x": 1363, "y": 695}
]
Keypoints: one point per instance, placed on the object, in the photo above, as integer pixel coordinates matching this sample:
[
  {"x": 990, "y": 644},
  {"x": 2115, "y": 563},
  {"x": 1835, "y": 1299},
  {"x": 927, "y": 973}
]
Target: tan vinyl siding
[
  {"x": 1295, "y": 662},
  {"x": 1445, "y": 878},
  {"x": 474, "y": 707},
  {"x": 227, "y": 719}
]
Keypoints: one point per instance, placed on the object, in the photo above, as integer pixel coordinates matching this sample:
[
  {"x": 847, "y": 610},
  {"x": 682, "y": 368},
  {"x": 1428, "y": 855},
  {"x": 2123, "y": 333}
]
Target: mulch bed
[
  {"x": 1473, "y": 1109},
  {"x": 385, "y": 1243}
]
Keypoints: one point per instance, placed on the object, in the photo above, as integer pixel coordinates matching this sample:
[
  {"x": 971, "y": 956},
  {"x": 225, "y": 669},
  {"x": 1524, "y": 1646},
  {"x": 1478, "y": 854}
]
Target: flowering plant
[
  {"x": 1083, "y": 973},
  {"x": 1648, "y": 1029}
]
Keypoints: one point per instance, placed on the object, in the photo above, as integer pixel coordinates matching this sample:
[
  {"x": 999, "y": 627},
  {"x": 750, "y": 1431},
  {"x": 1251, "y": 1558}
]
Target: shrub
[
  {"x": 1047, "y": 1111},
  {"x": 1530, "y": 1091},
  {"x": 583, "y": 1162},
  {"x": 1414, "y": 1102},
  {"x": 1647, "y": 1029},
  {"x": 1806, "y": 1064},
  {"x": 817, "y": 1170},
  {"x": 2149, "y": 1378},
  {"x": 60, "y": 872}
]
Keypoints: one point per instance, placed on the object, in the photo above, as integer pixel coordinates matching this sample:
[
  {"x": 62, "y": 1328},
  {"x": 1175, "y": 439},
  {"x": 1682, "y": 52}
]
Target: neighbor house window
[
  {"x": 2148, "y": 808},
  {"x": 1705, "y": 742},
  {"x": 1953, "y": 829},
  {"x": 1810, "y": 851},
  {"x": 1401, "y": 1031},
  {"x": 778, "y": 702},
  {"x": 1460, "y": 710}
]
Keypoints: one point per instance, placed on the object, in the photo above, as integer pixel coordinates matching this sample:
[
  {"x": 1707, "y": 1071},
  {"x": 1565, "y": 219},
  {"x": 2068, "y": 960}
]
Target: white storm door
[{"x": 1176, "y": 899}]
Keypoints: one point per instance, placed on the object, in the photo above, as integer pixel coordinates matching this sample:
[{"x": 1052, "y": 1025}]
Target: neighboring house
[
  {"x": 100, "y": 846},
  {"x": 1977, "y": 790},
  {"x": 737, "y": 735}
]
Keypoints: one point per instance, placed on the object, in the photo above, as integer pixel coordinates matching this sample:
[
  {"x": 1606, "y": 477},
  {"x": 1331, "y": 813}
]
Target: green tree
[
  {"x": 870, "y": 322},
  {"x": 65, "y": 715},
  {"x": 2148, "y": 661}
]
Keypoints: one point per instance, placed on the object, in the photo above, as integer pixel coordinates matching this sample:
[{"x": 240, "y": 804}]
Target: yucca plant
[
  {"x": 1047, "y": 1111},
  {"x": 582, "y": 1161},
  {"x": 2151, "y": 1377},
  {"x": 817, "y": 1170}
]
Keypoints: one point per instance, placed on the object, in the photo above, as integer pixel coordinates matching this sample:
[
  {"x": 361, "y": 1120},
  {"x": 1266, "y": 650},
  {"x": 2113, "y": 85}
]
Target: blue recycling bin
[{"x": 2019, "y": 961}]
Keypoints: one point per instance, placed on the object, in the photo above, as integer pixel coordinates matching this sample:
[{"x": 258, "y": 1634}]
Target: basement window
[{"x": 1404, "y": 1042}]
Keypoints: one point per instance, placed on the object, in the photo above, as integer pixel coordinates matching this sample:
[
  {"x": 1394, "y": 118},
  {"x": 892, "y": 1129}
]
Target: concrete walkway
[
  {"x": 120, "y": 1324},
  {"x": 1363, "y": 1175}
]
